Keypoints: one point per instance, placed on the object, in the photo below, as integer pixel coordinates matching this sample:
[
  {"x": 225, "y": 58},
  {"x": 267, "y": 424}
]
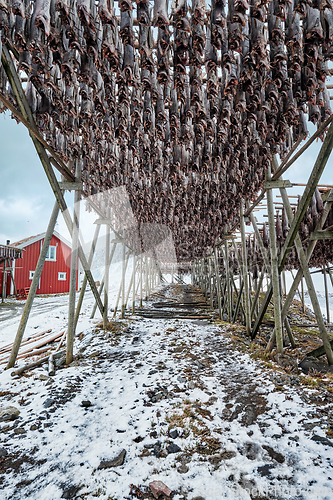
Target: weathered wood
[
  {"x": 33, "y": 286},
  {"x": 245, "y": 273},
  {"x": 320, "y": 351},
  {"x": 74, "y": 268},
  {"x": 321, "y": 235},
  {"x": 316, "y": 173},
  {"x": 274, "y": 269},
  {"x": 326, "y": 296},
  {"x": 71, "y": 186},
  {"x": 280, "y": 183},
  {"x": 106, "y": 274},
  {"x": 41, "y": 361},
  {"x": 85, "y": 281}
]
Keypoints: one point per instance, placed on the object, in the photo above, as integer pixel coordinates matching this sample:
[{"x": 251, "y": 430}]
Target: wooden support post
[
  {"x": 123, "y": 274},
  {"x": 141, "y": 278},
  {"x": 316, "y": 173},
  {"x": 121, "y": 286},
  {"x": 302, "y": 292},
  {"x": 256, "y": 296},
  {"x": 74, "y": 269},
  {"x": 106, "y": 271},
  {"x": 33, "y": 286},
  {"x": 227, "y": 271},
  {"x": 3, "y": 295},
  {"x": 245, "y": 274},
  {"x": 218, "y": 282},
  {"x": 326, "y": 296},
  {"x": 134, "y": 274},
  {"x": 274, "y": 268},
  {"x": 102, "y": 283},
  {"x": 146, "y": 277},
  {"x": 85, "y": 281},
  {"x": 309, "y": 282}
]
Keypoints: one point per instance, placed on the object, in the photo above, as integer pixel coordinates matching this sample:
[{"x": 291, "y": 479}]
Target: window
[
  {"x": 61, "y": 276},
  {"x": 31, "y": 274},
  {"x": 51, "y": 253}
]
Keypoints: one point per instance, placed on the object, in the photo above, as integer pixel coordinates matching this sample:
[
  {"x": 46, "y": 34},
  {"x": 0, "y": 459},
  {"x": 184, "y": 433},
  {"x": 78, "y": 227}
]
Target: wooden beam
[{"x": 321, "y": 235}]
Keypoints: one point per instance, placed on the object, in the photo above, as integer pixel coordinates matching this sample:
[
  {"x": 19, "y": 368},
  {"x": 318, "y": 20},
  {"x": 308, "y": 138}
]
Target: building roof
[{"x": 32, "y": 239}]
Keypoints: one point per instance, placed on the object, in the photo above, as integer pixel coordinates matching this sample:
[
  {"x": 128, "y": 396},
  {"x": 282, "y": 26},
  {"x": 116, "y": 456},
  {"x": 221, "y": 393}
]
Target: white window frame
[
  {"x": 31, "y": 274},
  {"x": 62, "y": 273},
  {"x": 48, "y": 253}
]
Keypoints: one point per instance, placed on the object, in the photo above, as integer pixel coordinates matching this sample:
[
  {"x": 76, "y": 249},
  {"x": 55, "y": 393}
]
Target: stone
[
  {"x": 120, "y": 431},
  {"x": 48, "y": 402},
  {"x": 9, "y": 413},
  {"x": 198, "y": 498},
  {"x": 287, "y": 362},
  {"x": 116, "y": 462},
  {"x": 173, "y": 448},
  {"x": 181, "y": 379},
  {"x": 173, "y": 433},
  {"x": 86, "y": 403},
  {"x": 3, "y": 452},
  {"x": 274, "y": 454},
  {"x": 311, "y": 364},
  {"x": 191, "y": 384},
  {"x": 43, "y": 377},
  {"x": 322, "y": 440},
  {"x": 158, "y": 488},
  {"x": 182, "y": 469},
  {"x": 265, "y": 470},
  {"x": 251, "y": 451},
  {"x": 70, "y": 492},
  {"x": 34, "y": 427},
  {"x": 19, "y": 430}
]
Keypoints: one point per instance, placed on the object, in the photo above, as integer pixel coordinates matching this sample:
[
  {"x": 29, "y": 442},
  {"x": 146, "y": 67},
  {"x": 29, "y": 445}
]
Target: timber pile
[
  {"x": 35, "y": 345},
  {"x": 187, "y": 115},
  {"x": 186, "y": 307}
]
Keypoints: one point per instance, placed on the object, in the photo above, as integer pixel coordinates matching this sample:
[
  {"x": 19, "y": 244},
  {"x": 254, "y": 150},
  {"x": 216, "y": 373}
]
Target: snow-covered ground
[{"x": 243, "y": 432}]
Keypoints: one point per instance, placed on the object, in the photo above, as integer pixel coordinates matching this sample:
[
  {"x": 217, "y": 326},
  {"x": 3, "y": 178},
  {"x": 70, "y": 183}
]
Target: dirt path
[{"x": 187, "y": 408}]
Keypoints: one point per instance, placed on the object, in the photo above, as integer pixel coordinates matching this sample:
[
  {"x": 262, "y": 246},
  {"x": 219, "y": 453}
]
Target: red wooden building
[{"x": 56, "y": 271}]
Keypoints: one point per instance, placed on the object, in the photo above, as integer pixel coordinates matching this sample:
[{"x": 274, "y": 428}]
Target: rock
[
  {"x": 19, "y": 430},
  {"x": 287, "y": 362},
  {"x": 173, "y": 433},
  {"x": 34, "y": 427},
  {"x": 265, "y": 470},
  {"x": 152, "y": 372},
  {"x": 251, "y": 450},
  {"x": 274, "y": 454},
  {"x": 198, "y": 498},
  {"x": 191, "y": 384},
  {"x": 116, "y": 462},
  {"x": 70, "y": 492},
  {"x": 138, "y": 439},
  {"x": 311, "y": 364},
  {"x": 182, "y": 469},
  {"x": 9, "y": 413},
  {"x": 158, "y": 488},
  {"x": 322, "y": 440},
  {"x": 48, "y": 402},
  {"x": 86, "y": 403},
  {"x": 3, "y": 452},
  {"x": 173, "y": 448},
  {"x": 181, "y": 379},
  {"x": 120, "y": 431},
  {"x": 43, "y": 377}
]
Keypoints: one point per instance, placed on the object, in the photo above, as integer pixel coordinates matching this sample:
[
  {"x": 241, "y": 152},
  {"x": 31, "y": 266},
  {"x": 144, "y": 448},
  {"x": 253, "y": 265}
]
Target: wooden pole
[
  {"x": 141, "y": 277},
  {"x": 245, "y": 274},
  {"x": 85, "y": 281},
  {"x": 309, "y": 282},
  {"x": 134, "y": 274},
  {"x": 33, "y": 286},
  {"x": 4, "y": 281},
  {"x": 102, "y": 283},
  {"x": 106, "y": 271},
  {"x": 120, "y": 287},
  {"x": 274, "y": 267},
  {"x": 123, "y": 272},
  {"x": 326, "y": 296},
  {"x": 218, "y": 282},
  {"x": 74, "y": 267},
  {"x": 316, "y": 173}
]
